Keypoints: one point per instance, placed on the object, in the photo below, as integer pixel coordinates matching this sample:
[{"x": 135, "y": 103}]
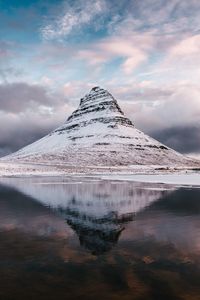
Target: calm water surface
[{"x": 93, "y": 239}]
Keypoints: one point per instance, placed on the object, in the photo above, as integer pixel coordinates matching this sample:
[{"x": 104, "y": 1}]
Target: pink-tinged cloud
[
  {"x": 180, "y": 63},
  {"x": 131, "y": 63},
  {"x": 93, "y": 57},
  {"x": 74, "y": 89},
  {"x": 186, "y": 47},
  {"x": 133, "y": 50},
  {"x": 152, "y": 107}
]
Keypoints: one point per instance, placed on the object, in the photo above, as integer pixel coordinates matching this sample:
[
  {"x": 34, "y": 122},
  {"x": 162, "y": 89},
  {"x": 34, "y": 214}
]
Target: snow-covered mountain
[{"x": 99, "y": 134}]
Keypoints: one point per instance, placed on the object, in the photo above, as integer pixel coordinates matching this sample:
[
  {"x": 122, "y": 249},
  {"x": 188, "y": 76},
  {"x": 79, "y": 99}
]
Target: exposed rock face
[
  {"x": 98, "y": 107},
  {"x": 98, "y": 133}
]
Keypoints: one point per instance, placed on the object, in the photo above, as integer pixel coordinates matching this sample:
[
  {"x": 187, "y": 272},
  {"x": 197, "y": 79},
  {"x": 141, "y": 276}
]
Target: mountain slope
[{"x": 98, "y": 133}]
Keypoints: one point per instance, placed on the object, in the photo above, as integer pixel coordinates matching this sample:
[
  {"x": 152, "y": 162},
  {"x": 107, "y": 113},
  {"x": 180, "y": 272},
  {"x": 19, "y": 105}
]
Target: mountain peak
[
  {"x": 98, "y": 133},
  {"x": 96, "y": 89},
  {"x": 99, "y": 103},
  {"x": 96, "y": 95}
]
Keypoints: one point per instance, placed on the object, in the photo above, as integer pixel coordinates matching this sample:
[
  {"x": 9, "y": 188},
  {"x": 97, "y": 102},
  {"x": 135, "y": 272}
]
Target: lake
[{"x": 86, "y": 238}]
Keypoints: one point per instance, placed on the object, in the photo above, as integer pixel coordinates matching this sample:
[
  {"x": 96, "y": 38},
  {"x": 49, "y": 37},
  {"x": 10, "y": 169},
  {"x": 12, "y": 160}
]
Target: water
[{"x": 92, "y": 239}]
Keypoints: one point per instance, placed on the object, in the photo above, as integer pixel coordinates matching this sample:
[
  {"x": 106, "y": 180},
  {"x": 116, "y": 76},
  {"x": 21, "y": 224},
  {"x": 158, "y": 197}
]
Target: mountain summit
[{"x": 99, "y": 134}]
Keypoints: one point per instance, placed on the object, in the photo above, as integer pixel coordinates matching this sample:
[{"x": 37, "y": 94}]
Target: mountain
[{"x": 99, "y": 134}]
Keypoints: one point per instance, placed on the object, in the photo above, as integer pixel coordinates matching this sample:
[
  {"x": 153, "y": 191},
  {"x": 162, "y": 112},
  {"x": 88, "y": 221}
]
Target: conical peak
[
  {"x": 96, "y": 89},
  {"x": 98, "y": 134},
  {"x": 97, "y": 95},
  {"x": 97, "y": 104}
]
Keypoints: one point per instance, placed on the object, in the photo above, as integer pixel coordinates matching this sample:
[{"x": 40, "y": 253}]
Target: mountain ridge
[{"x": 98, "y": 133}]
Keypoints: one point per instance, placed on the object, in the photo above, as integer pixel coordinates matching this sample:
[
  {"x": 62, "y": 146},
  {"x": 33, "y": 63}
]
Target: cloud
[
  {"x": 146, "y": 53},
  {"x": 160, "y": 107},
  {"x": 8, "y": 72},
  {"x": 28, "y": 112},
  {"x": 141, "y": 92},
  {"x": 184, "y": 58},
  {"x": 7, "y": 68},
  {"x": 75, "y": 90},
  {"x": 4, "y": 50},
  {"x": 182, "y": 107},
  {"x": 170, "y": 114},
  {"x": 18, "y": 130},
  {"x": 183, "y": 139},
  {"x": 188, "y": 46},
  {"x": 75, "y": 17},
  {"x": 161, "y": 16},
  {"x": 131, "y": 63},
  {"x": 21, "y": 129},
  {"x": 133, "y": 51},
  {"x": 18, "y": 97}
]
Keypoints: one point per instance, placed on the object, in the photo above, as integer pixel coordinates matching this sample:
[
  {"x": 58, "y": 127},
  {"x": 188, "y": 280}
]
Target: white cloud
[
  {"x": 46, "y": 81},
  {"x": 186, "y": 48},
  {"x": 161, "y": 108},
  {"x": 82, "y": 13},
  {"x": 132, "y": 62},
  {"x": 74, "y": 90},
  {"x": 133, "y": 50},
  {"x": 160, "y": 16}
]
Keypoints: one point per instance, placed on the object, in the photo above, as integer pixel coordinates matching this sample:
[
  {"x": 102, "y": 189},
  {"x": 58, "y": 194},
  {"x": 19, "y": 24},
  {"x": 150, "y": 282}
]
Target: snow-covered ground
[
  {"x": 153, "y": 174},
  {"x": 23, "y": 170},
  {"x": 192, "y": 179}
]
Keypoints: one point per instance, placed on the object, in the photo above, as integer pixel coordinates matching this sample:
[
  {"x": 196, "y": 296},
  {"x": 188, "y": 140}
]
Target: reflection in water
[
  {"x": 96, "y": 234},
  {"x": 99, "y": 218},
  {"x": 96, "y": 211},
  {"x": 95, "y": 239},
  {"x": 23, "y": 213}
]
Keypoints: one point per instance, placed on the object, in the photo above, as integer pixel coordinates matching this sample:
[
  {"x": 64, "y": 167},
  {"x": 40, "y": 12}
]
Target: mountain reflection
[
  {"x": 97, "y": 212},
  {"x": 89, "y": 239},
  {"x": 98, "y": 235}
]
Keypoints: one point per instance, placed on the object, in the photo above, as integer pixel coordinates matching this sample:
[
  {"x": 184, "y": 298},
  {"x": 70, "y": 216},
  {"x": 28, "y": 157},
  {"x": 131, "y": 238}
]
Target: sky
[{"x": 145, "y": 52}]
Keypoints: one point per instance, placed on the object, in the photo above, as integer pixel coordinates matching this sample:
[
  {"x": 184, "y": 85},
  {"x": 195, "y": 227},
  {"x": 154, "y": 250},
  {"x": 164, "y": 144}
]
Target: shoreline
[{"x": 138, "y": 173}]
